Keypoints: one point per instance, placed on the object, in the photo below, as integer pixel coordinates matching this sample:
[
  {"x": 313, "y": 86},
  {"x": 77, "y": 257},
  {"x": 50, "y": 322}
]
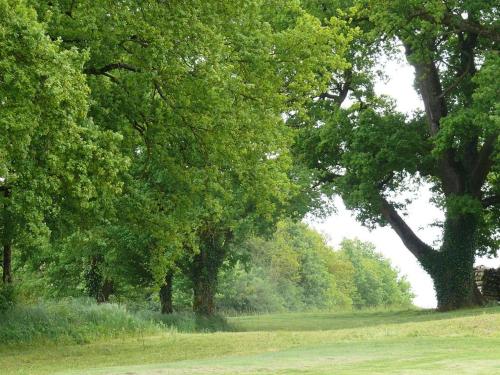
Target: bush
[{"x": 249, "y": 292}]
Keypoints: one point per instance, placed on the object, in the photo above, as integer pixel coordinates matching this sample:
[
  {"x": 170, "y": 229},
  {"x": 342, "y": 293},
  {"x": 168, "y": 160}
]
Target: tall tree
[
  {"x": 370, "y": 154},
  {"x": 55, "y": 164}
]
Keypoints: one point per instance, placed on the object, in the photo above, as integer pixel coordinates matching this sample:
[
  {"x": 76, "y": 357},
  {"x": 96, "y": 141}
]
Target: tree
[
  {"x": 198, "y": 89},
  {"x": 369, "y": 154},
  {"x": 376, "y": 282},
  {"x": 56, "y": 165}
]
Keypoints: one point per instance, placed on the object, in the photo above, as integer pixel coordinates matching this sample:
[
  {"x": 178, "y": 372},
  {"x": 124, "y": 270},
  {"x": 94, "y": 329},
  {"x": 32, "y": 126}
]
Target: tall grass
[{"x": 82, "y": 321}]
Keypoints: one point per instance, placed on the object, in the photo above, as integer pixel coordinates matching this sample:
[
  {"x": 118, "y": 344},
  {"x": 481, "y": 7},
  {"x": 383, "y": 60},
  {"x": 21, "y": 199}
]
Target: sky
[{"x": 399, "y": 85}]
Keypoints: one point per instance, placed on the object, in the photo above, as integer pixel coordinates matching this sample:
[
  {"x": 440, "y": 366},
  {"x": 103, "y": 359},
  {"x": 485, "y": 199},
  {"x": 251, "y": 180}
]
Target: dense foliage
[
  {"x": 57, "y": 168},
  {"x": 197, "y": 90},
  {"x": 147, "y": 147},
  {"x": 297, "y": 270}
]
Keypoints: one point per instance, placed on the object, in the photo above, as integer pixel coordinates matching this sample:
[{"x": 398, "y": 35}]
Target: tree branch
[
  {"x": 493, "y": 200},
  {"x": 459, "y": 24},
  {"x": 483, "y": 164},
  {"x": 325, "y": 179},
  {"x": 429, "y": 85},
  {"x": 343, "y": 89},
  {"x": 107, "y": 68},
  {"x": 416, "y": 246}
]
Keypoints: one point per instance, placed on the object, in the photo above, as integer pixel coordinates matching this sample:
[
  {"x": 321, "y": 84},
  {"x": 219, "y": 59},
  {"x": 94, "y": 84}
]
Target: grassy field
[{"x": 397, "y": 342}]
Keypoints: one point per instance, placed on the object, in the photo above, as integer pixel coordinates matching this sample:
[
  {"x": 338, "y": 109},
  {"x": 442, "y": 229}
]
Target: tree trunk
[
  {"x": 106, "y": 289},
  {"x": 452, "y": 269},
  {"x": 166, "y": 294},
  {"x": 205, "y": 268},
  {"x": 7, "y": 244},
  {"x": 98, "y": 286},
  {"x": 7, "y": 263},
  {"x": 204, "y": 296}
]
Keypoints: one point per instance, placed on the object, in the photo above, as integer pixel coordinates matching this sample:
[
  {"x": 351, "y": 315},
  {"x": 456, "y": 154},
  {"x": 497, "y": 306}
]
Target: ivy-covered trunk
[
  {"x": 97, "y": 285},
  {"x": 166, "y": 294},
  {"x": 204, "y": 272},
  {"x": 106, "y": 290},
  {"x": 452, "y": 268}
]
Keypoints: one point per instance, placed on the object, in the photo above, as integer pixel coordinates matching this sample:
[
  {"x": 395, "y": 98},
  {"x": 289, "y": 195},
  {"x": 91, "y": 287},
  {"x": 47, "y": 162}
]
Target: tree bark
[
  {"x": 106, "y": 289},
  {"x": 452, "y": 267},
  {"x": 98, "y": 286},
  {"x": 204, "y": 272},
  {"x": 166, "y": 294},
  {"x": 453, "y": 270},
  {"x": 7, "y": 264}
]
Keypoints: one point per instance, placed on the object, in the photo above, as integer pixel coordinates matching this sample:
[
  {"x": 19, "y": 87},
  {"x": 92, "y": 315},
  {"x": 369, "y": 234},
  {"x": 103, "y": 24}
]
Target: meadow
[{"x": 362, "y": 342}]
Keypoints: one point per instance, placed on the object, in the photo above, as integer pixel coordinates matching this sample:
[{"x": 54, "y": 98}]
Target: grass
[
  {"x": 374, "y": 342},
  {"x": 83, "y": 321}
]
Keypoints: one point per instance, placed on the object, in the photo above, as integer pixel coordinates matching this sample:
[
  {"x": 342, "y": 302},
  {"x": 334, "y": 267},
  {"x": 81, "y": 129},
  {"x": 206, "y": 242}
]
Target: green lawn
[{"x": 404, "y": 342}]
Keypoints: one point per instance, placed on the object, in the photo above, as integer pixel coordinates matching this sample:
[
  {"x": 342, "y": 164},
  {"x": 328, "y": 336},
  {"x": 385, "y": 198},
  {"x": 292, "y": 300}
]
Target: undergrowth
[{"x": 82, "y": 321}]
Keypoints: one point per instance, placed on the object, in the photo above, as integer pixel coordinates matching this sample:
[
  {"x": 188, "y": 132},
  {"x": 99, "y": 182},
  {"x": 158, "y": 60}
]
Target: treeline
[
  {"x": 149, "y": 148},
  {"x": 144, "y": 138},
  {"x": 297, "y": 270},
  {"x": 293, "y": 270}
]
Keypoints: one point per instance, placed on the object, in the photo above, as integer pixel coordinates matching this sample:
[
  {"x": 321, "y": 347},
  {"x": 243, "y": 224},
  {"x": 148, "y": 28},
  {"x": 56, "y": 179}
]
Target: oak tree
[{"x": 367, "y": 152}]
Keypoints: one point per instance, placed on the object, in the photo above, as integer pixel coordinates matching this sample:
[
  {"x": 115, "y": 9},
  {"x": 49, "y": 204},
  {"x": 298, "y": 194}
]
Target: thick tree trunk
[
  {"x": 107, "y": 288},
  {"x": 452, "y": 269},
  {"x": 166, "y": 294},
  {"x": 455, "y": 286},
  {"x": 98, "y": 286},
  {"x": 7, "y": 264},
  {"x": 205, "y": 268},
  {"x": 204, "y": 297}
]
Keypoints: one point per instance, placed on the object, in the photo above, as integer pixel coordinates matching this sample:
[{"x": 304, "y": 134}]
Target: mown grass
[
  {"x": 347, "y": 319},
  {"x": 375, "y": 342}
]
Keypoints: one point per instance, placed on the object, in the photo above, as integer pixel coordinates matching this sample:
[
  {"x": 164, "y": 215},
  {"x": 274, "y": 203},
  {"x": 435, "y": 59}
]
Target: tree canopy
[
  {"x": 196, "y": 92},
  {"x": 57, "y": 167},
  {"x": 142, "y": 140}
]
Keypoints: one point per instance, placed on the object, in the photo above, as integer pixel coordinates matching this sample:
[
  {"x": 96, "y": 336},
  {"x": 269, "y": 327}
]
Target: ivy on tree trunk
[
  {"x": 166, "y": 294},
  {"x": 204, "y": 272}
]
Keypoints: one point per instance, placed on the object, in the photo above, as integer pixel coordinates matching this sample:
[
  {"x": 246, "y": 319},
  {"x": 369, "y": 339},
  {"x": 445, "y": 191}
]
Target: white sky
[{"x": 422, "y": 213}]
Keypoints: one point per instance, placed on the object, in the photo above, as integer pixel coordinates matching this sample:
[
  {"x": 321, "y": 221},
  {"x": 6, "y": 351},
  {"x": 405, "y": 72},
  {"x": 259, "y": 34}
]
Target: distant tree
[
  {"x": 297, "y": 270},
  {"x": 361, "y": 148},
  {"x": 376, "y": 282}
]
